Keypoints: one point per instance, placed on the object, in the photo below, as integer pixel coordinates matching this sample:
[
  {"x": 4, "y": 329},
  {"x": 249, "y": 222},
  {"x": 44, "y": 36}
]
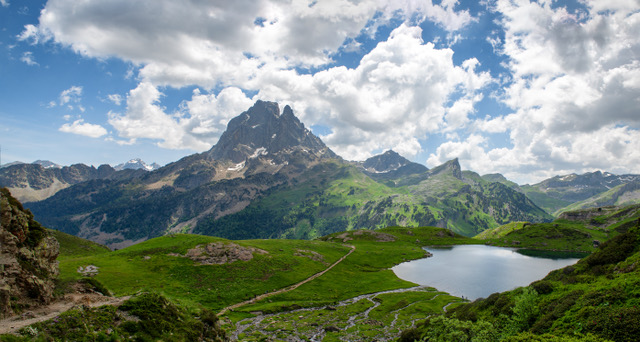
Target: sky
[{"x": 528, "y": 89}]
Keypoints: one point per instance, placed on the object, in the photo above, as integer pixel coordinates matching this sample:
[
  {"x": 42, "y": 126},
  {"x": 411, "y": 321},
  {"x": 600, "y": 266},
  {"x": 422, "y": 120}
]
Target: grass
[
  {"x": 551, "y": 236},
  {"x": 366, "y": 270},
  {"x": 74, "y": 247},
  {"x": 582, "y": 233},
  {"x": 149, "y": 267},
  {"x": 501, "y": 231}
]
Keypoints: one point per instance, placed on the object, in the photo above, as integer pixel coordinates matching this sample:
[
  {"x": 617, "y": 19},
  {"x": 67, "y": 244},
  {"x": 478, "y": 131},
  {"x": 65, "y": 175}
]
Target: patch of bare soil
[
  {"x": 313, "y": 255},
  {"x": 219, "y": 253}
]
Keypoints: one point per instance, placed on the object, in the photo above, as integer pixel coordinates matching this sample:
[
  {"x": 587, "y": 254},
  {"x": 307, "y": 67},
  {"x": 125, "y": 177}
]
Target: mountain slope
[
  {"x": 270, "y": 177},
  {"x": 34, "y": 182},
  {"x": 390, "y": 167},
  {"x": 336, "y": 197},
  {"x": 259, "y": 151},
  {"x": 558, "y": 192},
  {"x": 623, "y": 194}
]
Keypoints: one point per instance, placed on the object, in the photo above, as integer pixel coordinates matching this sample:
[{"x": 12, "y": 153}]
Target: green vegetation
[
  {"x": 75, "y": 247},
  {"x": 580, "y": 231},
  {"x": 147, "y": 317},
  {"x": 558, "y": 236},
  {"x": 360, "y": 298},
  {"x": 595, "y": 300},
  {"x": 501, "y": 231},
  {"x": 158, "y": 265},
  {"x": 332, "y": 198},
  {"x": 365, "y": 318}
]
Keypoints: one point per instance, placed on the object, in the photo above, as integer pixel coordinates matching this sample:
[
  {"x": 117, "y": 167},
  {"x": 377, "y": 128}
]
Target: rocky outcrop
[
  {"x": 220, "y": 253},
  {"x": 27, "y": 258}
]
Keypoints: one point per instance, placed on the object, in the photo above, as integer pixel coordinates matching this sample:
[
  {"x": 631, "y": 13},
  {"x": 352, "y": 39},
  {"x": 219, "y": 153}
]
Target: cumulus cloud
[
  {"x": 81, "y": 128},
  {"x": 256, "y": 46},
  {"x": 398, "y": 94},
  {"x": 574, "y": 91},
  {"x": 223, "y": 42},
  {"x": 197, "y": 126}
]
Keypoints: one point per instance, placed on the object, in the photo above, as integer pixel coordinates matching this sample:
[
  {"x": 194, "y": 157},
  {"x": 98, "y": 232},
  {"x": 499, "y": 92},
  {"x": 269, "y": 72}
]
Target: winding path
[
  {"x": 286, "y": 289},
  {"x": 12, "y": 324}
]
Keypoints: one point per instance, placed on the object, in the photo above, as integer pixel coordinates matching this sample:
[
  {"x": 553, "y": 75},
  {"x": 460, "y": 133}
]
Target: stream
[{"x": 350, "y": 319}]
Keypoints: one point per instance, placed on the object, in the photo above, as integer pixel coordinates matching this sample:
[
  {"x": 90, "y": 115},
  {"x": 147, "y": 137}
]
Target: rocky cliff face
[{"x": 27, "y": 258}]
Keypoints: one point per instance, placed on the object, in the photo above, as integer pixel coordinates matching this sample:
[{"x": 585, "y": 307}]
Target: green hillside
[
  {"x": 334, "y": 197},
  {"x": 74, "y": 247},
  {"x": 580, "y": 230},
  {"x": 501, "y": 231}
]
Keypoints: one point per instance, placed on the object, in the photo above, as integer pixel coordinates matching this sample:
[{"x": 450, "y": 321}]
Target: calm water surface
[{"x": 475, "y": 271}]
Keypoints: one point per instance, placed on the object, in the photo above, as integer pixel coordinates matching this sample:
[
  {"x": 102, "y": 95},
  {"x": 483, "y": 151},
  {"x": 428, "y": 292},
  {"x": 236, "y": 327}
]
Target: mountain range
[{"x": 270, "y": 177}]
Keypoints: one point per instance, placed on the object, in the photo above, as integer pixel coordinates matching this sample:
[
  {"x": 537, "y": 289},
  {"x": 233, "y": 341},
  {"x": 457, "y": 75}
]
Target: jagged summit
[{"x": 262, "y": 130}]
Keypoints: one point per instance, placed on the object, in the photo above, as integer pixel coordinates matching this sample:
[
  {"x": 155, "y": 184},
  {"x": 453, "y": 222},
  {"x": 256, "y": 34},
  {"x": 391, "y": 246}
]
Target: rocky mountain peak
[
  {"x": 261, "y": 130},
  {"x": 388, "y": 161},
  {"x": 451, "y": 167}
]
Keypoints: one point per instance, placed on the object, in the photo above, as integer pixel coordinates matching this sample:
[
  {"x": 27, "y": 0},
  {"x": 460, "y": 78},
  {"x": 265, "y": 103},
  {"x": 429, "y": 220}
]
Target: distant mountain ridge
[
  {"x": 558, "y": 192},
  {"x": 34, "y": 182},
  {"x": 136, "y": 164}
]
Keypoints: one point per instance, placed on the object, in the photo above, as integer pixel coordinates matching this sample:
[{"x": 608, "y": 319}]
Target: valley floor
[{"x": 381, "y": 316}]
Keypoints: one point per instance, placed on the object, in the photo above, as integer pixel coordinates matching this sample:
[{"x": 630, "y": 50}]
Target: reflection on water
[{"x": 475, "y": 271}]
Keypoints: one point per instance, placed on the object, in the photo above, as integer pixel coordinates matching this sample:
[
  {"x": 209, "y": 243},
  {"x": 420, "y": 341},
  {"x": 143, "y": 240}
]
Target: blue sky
[{"x": 529, "y": 89}]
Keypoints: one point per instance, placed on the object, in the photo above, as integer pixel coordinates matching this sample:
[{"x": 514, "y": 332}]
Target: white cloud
[
  {"x": 32, "y": 32},
  {"x": 216, "y": 43},
  {"x": 398, "y": 94},
  {"x": 574, "y": 92},
  {"x": 71, "y": 95},
  {"x": 27, "y": 57},
  {"x": 115, "y": 98},
  {"x": 81, "y": 128},
  {"x": 4, "y": 3},
  {"x": 197, "y": 126}
]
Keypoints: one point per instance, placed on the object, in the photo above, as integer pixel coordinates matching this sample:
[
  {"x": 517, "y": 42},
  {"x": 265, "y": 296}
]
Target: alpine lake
[{"x": 477, "y": 271}]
